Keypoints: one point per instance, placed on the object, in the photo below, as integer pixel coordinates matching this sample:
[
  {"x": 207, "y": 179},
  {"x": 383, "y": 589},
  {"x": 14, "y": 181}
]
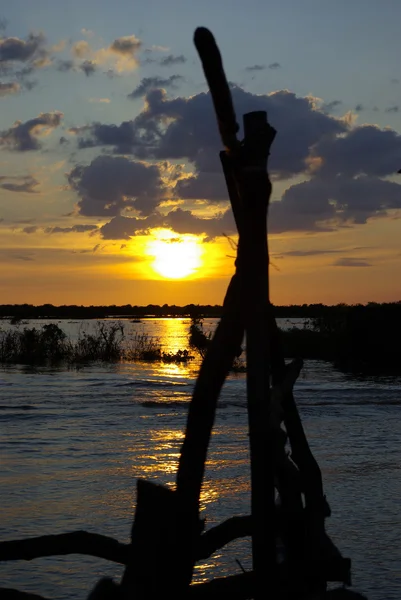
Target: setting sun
[{"x": 175, "y": 257}]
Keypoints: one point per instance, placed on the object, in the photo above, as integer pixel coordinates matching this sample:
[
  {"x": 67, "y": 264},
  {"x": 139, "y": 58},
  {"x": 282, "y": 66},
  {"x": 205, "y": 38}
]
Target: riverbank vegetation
[
  {"x": 357, "y": 339},
  {"x": 361, "y": 339},
  {"x": 49, "y": 344}
]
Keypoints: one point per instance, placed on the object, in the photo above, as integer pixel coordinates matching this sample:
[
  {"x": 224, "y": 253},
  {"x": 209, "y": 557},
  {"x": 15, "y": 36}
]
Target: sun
[{"x": 174, "y": 256}]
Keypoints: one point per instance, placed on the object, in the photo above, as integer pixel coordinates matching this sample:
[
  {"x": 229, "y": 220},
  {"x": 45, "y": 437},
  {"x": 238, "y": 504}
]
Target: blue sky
[{"x": 330, "y": 68}]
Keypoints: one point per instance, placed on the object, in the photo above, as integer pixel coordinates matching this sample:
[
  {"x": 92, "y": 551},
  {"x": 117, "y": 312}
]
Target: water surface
[{"x": 73, "y": 443}]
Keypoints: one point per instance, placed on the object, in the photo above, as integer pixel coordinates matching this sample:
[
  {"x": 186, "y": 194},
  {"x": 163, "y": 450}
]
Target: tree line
[{"x": 50, "y": 311}]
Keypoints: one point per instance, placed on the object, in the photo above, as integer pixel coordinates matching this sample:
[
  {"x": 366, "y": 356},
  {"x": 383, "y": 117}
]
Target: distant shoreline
[{"x": 49, "y": 311}]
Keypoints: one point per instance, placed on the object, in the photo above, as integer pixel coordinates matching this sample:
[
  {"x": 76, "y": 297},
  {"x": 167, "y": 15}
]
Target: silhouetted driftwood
[
  {"x": 10, "y": 594},
  {"x": 76, "y": 542},
  {"x": 249, "y": 189},
  {"x": 237, "y": 587}
]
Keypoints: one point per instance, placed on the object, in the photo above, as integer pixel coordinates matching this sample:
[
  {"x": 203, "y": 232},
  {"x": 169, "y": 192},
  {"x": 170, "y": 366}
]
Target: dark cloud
[
  {"x": 88, "y": 67},
  {"x": 24, "y": 257},
  {"x": 7, "y": 254},
  {"x": 127, "y": 46},
  {"x": 27, "y": 184},
  {"x": 205, "y": 185},
  {"x": 9, "y": 88},
  {"x": 309, "y": 252},
  {"x": 184, "y": 221},
  {"x": 171, "y": 60},
  {"x": 345, "y": 162},
  {"x": 15, "y": 49},
  {"x": 326, "y": 204},
  {"x": 30, "y": 229},
  {"x": 22, "y": 137},
  {"x": 149, "y": 83},
  {"x": 331, "y": 106},
  {"x": 123, "y": 228},
  {"x": 73, "y": 229},
  {"x": 111, "y": 73},
  {"x": 19, "y": 58},
  {"x": 186, "y": 128},
  {"x": 274, "y": 66},
  {"x": 191, "y": 132},
  {"x": 352, "y": 262},
  {"x": 364, "y": 150},
  {"x": 359, "y": 108},
  {"x": 181, "y": 221},
  {"x": 110, "y": 185},
  {"x": 65, "y": 65},
  {"x": 122, "y": 137},
  {"x": 392, "y": 109},
  {"x": 255, "y": 68}
]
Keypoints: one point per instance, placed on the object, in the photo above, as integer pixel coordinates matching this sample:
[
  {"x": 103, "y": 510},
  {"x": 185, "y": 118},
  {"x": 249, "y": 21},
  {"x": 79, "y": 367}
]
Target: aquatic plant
[{"x": 49, "y": 344}]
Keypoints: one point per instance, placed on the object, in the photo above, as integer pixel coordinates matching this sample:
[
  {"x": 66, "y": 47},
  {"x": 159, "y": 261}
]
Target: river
[{"x": 73, "y": 443}]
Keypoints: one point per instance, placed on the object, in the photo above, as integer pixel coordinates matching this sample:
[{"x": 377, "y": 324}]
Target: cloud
[
  {"x": 186, "y": 128},
  {"x": 100, "y": 100},
  {"x": 59, "y": 47},
  {"x": 255, "y": 68},
  {"x": 171, "y": 60},
  {"x": 110, "y": 185},
  {"x": 359, "y": 108},
  {"x": 9, "y": 88},
  {"x": 26, "y": 184},
  {"x": 181, "y": 221},
  {"x": 20, "y": 58},
  {"x": 65, "y": 65},
  {"x": 352, "y": 262},
  {"x": 324, "y": 204},
  {"x": 309, "y": 252},
  {"x": 343, "y": 164},
  {"x": 149, "y": 83},
  {"x": 81, "y": 49},
  {"x": 184, "y": 221},
  {"x": 22, "y": 137},
  {"x": 30, "y": 229},
  {"x": 16, "y": 49},
  {"x": 88, "y": 67},
  {"x": 364, "y": 150},
  {"x": 191, "y": 131},
  {"x": 121, "y": 54},
  {"x": 393, "y": 109},
  {"x": 80, "y": 228},
  {"x": 205, "y": 185},
  {"x": 127, "y": 46},
  {"x": 331, "y": 106},
  {"x": 25, "y": 257},
  {"x": 122, "y": 137},
  {"x": 123, "y": 228}
]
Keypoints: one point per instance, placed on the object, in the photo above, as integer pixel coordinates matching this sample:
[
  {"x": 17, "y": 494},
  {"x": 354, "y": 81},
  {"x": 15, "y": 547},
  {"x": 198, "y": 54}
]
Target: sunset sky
[{"x": 111, "y": 190}]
